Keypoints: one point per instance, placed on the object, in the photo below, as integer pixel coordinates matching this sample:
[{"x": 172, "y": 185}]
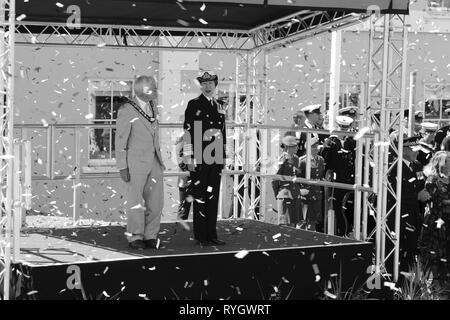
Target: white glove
[{"x": 304, "y": 192}]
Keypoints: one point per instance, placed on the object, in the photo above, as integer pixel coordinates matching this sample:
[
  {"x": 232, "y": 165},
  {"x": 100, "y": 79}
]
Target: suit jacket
[
  {"x": 287, "y": 169},
  {"x": 137, "y": 141},
  {"x": 413, "y": 180},
  {"x": 212, "y": 118}
]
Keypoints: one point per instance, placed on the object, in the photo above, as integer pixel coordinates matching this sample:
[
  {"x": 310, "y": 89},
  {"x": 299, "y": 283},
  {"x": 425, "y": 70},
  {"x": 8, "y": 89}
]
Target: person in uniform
[
  {"x": 204, "y": 155},
  {"x": 351, "y": 112},
  {"x": 313, "y": 120},
  {"x": 428, "y": 135},
  {"x": 413, "y": 193},
  {"x": 140, "y": 163},
  {"x": 287, "y": 193},
  {"x": 339, "y": 158},
  {"x": 299, "y": 122},
  {"x": 312, "y": 196}
]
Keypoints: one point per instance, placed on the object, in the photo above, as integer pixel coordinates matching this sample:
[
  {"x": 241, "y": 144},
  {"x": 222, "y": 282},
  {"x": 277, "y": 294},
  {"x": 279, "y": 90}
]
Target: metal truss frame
[
  {"x": 386, "y": 97},
  {"x": 7, "y": 22},
  {"x": 300, "y": 25}
]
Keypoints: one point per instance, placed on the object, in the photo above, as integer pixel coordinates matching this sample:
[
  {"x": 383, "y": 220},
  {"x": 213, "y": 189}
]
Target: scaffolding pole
[{"x": 7, "y": 27}]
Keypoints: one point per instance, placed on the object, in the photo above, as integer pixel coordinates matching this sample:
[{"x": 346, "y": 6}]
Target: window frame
[
  {"x": 441, "y": 86},
  {"x": 343, "y": 83},
  {"x": 107, "y": 165},
  {"x": 441, "y": 11}
]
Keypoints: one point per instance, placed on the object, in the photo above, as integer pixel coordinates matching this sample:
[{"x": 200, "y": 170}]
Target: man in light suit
[{"x": 140, "y": 163}]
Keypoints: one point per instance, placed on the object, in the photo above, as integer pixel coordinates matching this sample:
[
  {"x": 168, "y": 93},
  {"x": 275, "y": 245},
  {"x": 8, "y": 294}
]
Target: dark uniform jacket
[
  {"x": 200, "y": 111},
  {"x": 287, "y": 168},
  {"x": 413, "y": 181}
]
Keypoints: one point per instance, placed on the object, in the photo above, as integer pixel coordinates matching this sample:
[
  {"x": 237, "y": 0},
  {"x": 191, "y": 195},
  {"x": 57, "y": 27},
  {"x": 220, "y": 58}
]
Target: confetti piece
[
  {"x": 21, "y": 17},
  {"x": 183, "y": 23},
  {"x": 105, "y": 294},
  {"x": 276, "y": 236},
  {"x": 185, "y": 225},
  {"x": 106, "y": 270},
  {"x": 203, "y": 7},
  {"x": 239, "y": 229},
  {"x": 330, "y": 295},
  {"x": 89, "y": 116},
  {"x": 315, "y": 268},
  {"x": 241, "y": 254},
  {"x": 439, "y": 222},
  {"x": 361, "y": 133},
  {"x": 58, "y": 4},
  {"x": 152, "y": 268},
  {"x": 32, "y": 292},
  {"x": 202, "y": 21},
  {"x": 209, "y": 189},
  {"x": 382, "y": 144},
  {"x": 205, "y": 282}
]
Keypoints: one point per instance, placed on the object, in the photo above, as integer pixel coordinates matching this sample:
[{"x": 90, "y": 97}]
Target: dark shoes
[
  {"x": 213, "y": 242},
  {"x": 151, "y": 243},
  {"x": 137, "y": 245},
  {"x": 143, "y": 244},
  {"x": 217, "y": 242},
  {"x": 203, "y": 243}
]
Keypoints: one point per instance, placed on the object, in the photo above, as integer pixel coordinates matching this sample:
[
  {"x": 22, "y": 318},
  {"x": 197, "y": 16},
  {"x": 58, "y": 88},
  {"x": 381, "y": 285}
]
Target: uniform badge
[{"x": 420, "y": 175}]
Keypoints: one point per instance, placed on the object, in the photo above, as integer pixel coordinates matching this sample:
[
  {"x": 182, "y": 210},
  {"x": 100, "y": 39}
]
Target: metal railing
[{"x": 78, "y": 175}]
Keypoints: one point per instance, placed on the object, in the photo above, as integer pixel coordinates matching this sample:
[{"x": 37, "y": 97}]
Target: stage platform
[{"x": 273, "y": 262}]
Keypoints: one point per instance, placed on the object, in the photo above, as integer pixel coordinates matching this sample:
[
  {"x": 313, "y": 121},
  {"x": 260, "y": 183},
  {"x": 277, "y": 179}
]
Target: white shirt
[
  {"x": 144, "y": 106},
  {"x": 408, "y": 163},
  {"x": 209, "y": 99}
]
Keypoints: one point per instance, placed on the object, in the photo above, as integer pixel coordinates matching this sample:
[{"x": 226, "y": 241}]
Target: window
[
  {"x": 104, "y": 102},
  {"x": 437, "y": 101},
  {"x": 439, "y": 5},
  {"x": 350, "y": 95}
]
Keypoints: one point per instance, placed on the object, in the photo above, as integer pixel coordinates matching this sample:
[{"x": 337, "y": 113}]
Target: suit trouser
[
  {"x": 145, "y": 202},
  {"x": 205, "y": 185}
]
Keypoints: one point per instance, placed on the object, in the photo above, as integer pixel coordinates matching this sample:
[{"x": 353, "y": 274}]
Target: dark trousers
[
  {"x": 205, "y": 185},
  {"x": 185, "y": 206},
  {"x": 293, "y": 209},
  {"x": 341, "y": 220}
]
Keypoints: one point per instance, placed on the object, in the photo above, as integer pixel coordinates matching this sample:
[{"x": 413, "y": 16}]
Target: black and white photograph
[{"x": 234, "y": 152}]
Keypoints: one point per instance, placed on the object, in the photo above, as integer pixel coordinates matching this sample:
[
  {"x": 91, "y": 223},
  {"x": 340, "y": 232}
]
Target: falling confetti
[
  {"x": 361, "y": 133},
  {"x": 21, "y": 17},
  {"x": 241, "y": 254}
]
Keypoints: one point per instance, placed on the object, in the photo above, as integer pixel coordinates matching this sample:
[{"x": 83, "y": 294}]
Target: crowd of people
[{"x": 425, "y": 194}]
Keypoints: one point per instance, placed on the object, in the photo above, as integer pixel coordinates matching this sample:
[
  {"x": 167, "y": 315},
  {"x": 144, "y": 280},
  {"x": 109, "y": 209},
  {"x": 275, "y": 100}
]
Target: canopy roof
[{"x": 216, "y": 14}]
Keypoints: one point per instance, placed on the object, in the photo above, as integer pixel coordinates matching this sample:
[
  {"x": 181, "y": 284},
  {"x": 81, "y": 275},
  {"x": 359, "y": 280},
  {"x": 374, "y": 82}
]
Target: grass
[{"x": 418, "y": 285}]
